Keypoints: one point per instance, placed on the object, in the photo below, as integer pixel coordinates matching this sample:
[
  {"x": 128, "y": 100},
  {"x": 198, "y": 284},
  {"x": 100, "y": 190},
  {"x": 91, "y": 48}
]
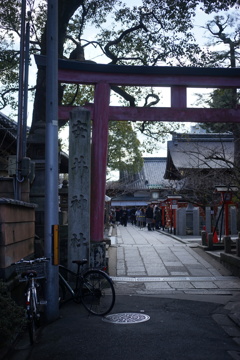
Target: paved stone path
[{"x": 153, "y": 262}]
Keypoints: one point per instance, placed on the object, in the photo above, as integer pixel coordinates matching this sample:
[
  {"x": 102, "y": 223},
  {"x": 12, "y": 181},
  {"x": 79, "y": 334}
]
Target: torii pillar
[
  {"x": 99, "y": 160},
  {"x": 103, "y": 76}
]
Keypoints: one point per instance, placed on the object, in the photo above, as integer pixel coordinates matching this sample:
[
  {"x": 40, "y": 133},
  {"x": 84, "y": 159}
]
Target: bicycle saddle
[
  {"x": 80, "y": 262},
  {"x": 29, "y": 273}
]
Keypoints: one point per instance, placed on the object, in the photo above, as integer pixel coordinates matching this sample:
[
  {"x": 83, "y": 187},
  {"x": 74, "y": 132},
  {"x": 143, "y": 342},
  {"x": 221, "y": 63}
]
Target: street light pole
[{"x": 51, "y": 160}]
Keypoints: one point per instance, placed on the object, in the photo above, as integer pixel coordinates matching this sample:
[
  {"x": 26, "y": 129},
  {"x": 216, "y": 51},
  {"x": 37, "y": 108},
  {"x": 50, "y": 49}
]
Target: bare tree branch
[{"x": 107, "y": 50}]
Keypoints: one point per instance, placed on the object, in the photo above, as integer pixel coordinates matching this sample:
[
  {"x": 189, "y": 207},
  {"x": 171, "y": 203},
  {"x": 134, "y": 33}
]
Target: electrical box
[
  {"x": 32, "y": 172},
  {"x": 25, "y": 166},
  {"x": 12, "y": 165}
]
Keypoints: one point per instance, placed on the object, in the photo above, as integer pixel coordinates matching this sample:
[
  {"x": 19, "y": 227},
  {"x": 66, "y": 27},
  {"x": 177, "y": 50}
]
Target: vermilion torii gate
[{"x": 103, "y": 76}]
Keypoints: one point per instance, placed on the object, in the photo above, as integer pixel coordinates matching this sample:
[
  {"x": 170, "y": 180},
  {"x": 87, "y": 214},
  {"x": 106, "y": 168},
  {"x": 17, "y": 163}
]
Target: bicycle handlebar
[{"x": 37, "y": 260}]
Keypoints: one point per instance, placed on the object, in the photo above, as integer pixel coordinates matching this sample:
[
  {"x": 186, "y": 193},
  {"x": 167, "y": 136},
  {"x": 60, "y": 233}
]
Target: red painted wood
[
  {"x": 118, "y": 113},
  {"x": 178, "y": 96},
  {"x": 104, "y": 76},
  {"x": 71, "y": 76},
  {"x": 174, "y": 114},
  {"x": 99, "y": 160}
]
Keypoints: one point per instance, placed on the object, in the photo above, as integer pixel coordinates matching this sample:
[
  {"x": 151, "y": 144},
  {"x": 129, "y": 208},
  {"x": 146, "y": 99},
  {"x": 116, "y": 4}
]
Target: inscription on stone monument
[{"x": 79, "y": 186}]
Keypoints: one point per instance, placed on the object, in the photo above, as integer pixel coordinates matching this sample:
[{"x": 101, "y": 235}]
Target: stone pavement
[
  {"x": 167, "y": 265},
  {"x": 160, "y": 264}
]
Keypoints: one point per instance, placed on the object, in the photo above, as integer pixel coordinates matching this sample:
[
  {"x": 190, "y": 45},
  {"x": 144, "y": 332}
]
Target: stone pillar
[
  {"x": 233, "y": 220},
  {"x": 79, "y": 186},
  {"x": 181, "y": 222},
  {"x": 196, "y": 227},
  {"x": 208, "y": 219},
  {"x": 210, "y": 241},
  {"x": 238, "y": 245},
  {"x": 189, "y": 219},
  {"x": 227, "y": 244},
  {"x": 204, "y": 238}
]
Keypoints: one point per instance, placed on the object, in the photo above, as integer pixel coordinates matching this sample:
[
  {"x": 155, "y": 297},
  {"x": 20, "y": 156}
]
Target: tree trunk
[
  {"x": 36, "y": 139},
  {"x": 66, "y": 10}
]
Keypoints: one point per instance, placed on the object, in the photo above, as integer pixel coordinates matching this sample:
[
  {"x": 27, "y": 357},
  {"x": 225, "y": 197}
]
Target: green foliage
[
  {"x": 77, "y": 95},
  {"x": 156, "y": 32},
  {"x": 224, "y": 32},
  {"x": 124, "y": 148},
  {"x": 146, "y": 35},
  {"x": 12, "y": 316},
  {"x": 223, "y": 98},
  {"x": 10, "y": 26},
  {"x": 9, "y": 58},
  {"x": 220, "y": 98}
]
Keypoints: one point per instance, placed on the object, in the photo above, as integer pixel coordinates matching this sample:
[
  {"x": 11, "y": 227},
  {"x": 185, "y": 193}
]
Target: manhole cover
[{"x": 126, "y": 318}]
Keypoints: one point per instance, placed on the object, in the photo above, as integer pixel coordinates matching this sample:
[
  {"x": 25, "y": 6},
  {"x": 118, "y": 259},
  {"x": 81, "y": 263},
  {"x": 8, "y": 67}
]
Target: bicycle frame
[
  {"x": 31, "y": 290},
  {"x": 65, "y": 282},
  {"x": 32, "y": 307},
  {"x": 30, "y": 271},
  {"x": 93, "y": 288},
  {"x": 79, "y": 280}
]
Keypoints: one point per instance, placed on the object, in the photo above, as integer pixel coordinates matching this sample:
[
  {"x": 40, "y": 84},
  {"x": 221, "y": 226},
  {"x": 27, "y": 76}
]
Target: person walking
[
  {"x": 124, "y": 217},
  {"x": 149, "y": 217},
  {"x": 133, "y": 216},
  {"x": 158, "y": 218},
  {"x": 137, "y": 215},
  {"x": 118, "y": 215}
]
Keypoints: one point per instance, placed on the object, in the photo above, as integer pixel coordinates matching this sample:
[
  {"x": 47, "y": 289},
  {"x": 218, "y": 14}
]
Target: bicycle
[
  {"x": 30, "y": 271},
  {"x": 93, "y": 288}
]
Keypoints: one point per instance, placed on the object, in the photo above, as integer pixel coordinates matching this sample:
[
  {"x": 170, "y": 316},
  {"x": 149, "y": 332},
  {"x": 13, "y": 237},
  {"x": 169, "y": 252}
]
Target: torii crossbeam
[{"x": 104, "y": 76}]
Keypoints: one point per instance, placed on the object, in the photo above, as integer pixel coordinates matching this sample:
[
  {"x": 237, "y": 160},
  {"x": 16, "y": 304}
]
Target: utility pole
[
  {"x": 25, "y": 95},
  {"x": 51, "y": 160},
  {"x": 22, "y": 99},
  {"x": 19, "y": 156}
]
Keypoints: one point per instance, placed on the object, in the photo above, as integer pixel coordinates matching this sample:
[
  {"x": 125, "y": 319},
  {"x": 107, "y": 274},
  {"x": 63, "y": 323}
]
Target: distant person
[
  {"x": 149, "y": 218},
  {"x": 124, "y": 218},
  {"x": 133, "y": 216},
  {"x": 118, "y": 216},
  {"x": 158, "y": 218}
]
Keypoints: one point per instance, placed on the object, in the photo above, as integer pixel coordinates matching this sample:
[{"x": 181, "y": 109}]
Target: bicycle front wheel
[
  {"x": 97, "y": 293},
  {"x": 33, "y": 317}
]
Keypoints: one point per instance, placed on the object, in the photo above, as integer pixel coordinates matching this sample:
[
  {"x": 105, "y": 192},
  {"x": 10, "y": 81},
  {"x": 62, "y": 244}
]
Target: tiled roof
[
  {"x": 8, "y": 128},
  {"x": 151, "y": 174},
  {"x": 199, "y": 151},
  {"x": 201, "y": 155}
]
